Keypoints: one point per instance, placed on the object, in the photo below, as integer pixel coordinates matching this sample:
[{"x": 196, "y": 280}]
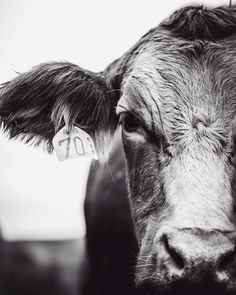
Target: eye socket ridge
[{"x": 132, "y": 123}]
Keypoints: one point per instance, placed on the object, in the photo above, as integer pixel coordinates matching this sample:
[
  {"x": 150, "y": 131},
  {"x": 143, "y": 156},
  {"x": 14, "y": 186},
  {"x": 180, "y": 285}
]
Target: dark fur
[
  {"x": 32, "y": 106},
  {"x": 194, "y": 23}
]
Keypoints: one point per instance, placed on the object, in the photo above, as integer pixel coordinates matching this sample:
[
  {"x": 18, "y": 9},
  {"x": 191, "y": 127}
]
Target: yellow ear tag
[{"x": 73, "y": 142}]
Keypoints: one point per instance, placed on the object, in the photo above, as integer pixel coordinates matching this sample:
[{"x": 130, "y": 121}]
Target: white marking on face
[{"x": 198, "y": 189}]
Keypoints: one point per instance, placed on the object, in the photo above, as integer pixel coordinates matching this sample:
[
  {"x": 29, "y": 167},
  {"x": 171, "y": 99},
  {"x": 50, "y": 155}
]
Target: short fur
[
  {"x": 32, "y": 104},
  {"x": 178, "y": 83},
  {"x": 193, "y": 23}
]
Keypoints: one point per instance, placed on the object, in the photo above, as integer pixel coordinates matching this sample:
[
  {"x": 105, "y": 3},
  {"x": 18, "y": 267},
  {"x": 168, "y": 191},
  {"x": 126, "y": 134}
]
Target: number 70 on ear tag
[{"x": 73, "y": 143}]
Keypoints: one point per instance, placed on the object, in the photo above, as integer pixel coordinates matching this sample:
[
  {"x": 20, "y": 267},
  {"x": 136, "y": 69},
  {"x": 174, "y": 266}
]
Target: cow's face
[
  {"x": 178, "y": 130},
  {"x": 174, "y": 94}
]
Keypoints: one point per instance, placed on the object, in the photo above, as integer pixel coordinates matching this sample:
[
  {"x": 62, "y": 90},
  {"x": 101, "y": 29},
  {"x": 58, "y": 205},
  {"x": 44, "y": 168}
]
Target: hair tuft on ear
[{"x": 32, "y": 104}]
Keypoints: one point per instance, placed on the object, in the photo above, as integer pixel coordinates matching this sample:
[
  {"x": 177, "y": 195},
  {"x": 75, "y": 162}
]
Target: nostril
[
  {"x": 226, "y": 259},
  {"x": 176, "y": 258}
]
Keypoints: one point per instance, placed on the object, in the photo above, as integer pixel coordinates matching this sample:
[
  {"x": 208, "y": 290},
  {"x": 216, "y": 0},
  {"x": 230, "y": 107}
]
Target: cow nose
[{"x": 197, "y": 255}]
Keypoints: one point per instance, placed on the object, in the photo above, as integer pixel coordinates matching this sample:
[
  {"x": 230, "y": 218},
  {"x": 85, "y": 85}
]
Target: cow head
[{"x": 174, "y": 95}]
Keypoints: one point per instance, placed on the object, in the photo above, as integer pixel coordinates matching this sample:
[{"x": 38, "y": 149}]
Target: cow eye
[{"x": 130, "y": 123}]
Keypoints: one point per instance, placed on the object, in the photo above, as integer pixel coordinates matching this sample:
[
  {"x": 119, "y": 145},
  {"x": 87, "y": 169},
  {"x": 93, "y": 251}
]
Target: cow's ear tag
[{"x": 73, "y": 142}]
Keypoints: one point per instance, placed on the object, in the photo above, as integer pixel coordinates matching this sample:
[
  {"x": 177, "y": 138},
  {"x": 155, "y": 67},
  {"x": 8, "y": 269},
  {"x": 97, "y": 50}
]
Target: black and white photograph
[{"x": 117, "y": 147}]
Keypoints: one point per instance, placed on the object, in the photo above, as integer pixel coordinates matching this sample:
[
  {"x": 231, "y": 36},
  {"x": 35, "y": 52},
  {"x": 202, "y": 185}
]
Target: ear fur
[{"x": 33, "y": 103}]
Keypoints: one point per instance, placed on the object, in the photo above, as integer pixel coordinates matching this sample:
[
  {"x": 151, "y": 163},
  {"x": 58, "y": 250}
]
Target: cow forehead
[{"x": 185, "y": 82}]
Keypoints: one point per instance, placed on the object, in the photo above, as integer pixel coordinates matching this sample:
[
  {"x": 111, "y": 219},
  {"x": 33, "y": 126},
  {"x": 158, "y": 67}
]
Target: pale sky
[{"x": 40, "y": 197}]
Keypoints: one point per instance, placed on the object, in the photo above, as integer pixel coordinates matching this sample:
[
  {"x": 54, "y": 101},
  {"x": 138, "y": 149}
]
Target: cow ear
[{"x": 33, "y": 103}]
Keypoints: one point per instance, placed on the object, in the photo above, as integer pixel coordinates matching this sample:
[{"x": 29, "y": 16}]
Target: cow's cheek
[{"x": 144, "y": 182}]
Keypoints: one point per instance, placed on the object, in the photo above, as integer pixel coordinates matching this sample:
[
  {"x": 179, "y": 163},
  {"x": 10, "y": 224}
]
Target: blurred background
[{"x": 41, "y": 199}]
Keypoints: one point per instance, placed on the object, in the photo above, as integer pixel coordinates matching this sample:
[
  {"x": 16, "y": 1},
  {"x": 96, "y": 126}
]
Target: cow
[{"x": 173, "y": 98}]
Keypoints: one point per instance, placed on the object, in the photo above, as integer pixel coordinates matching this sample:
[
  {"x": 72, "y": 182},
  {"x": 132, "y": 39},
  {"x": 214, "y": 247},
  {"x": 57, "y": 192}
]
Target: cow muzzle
[{"x": 187, "y": 260}]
